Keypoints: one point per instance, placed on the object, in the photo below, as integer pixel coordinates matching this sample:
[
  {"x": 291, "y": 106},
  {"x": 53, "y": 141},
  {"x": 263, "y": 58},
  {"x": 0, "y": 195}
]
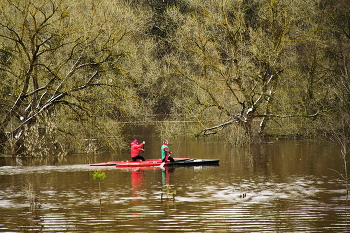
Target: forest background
[{"x": 72, "y": 72}]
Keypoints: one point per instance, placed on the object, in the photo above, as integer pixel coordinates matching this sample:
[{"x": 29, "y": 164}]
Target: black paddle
[{"x": 143, "y": 150}]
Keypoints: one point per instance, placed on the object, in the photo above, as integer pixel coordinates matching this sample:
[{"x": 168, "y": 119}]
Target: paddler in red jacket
[{"x": 135, "y": 149}]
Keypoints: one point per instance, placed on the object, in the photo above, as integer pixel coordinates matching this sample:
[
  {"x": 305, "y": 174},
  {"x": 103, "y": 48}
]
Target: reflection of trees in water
[{"x": 34, "y": 204}]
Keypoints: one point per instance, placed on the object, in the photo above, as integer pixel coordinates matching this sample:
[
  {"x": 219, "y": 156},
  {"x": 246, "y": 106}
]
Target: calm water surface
[{"x": 282, "y": 186}]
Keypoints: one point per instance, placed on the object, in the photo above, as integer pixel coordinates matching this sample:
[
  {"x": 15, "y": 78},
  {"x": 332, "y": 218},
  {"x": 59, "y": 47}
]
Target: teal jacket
[{"x": 164, "y": 151}]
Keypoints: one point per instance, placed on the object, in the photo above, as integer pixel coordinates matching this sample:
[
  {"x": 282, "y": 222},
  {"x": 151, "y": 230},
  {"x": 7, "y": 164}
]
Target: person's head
[
  {"x": 135, "y": 142},
  {"x": 165, "y": 142}
]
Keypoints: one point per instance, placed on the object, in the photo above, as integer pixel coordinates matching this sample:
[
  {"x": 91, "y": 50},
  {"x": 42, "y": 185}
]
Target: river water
[{"x": 280, "y": 186}]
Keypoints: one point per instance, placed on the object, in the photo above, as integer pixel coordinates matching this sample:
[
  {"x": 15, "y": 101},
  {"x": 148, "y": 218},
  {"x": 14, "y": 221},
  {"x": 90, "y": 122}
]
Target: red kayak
[
  {"x": 177, "y": 162},
  {"x": 158, "y": 162},
  {"x": 147, "y": 163}
]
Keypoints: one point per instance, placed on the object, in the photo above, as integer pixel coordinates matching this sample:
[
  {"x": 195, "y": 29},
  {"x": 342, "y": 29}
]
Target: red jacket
[{"x": 135, "y": 148}]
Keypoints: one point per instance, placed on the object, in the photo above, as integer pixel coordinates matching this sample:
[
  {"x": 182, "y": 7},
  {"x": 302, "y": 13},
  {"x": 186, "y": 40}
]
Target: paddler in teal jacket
[{"x": 165, "y": 152}]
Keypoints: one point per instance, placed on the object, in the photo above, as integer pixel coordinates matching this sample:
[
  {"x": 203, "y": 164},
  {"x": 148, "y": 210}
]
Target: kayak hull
[
  {"x": 158, "y": 162},
  {"x": 193, "y": 162},
  {"x": 147, "y": 162},
  {"x": 177, "y": 162}
]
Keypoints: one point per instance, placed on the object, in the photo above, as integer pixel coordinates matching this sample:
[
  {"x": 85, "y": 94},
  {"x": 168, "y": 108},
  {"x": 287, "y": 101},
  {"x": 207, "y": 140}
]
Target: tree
[
  {"x": 234, "y": 56},
  {"x": 335, "y": 126},
  {"x": 59, "y": 60}
]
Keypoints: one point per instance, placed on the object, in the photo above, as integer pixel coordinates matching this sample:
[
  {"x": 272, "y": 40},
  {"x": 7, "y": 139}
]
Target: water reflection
[
  {"x": 167, "y": 190},
  {"x": 287, "y": 185},
  {"x": 137, "y": 179}
]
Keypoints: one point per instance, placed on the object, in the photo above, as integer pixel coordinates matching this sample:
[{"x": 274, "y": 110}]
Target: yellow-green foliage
[
  {"x": 71, "y": 70},
  {"x": 98, "y": 175}
]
